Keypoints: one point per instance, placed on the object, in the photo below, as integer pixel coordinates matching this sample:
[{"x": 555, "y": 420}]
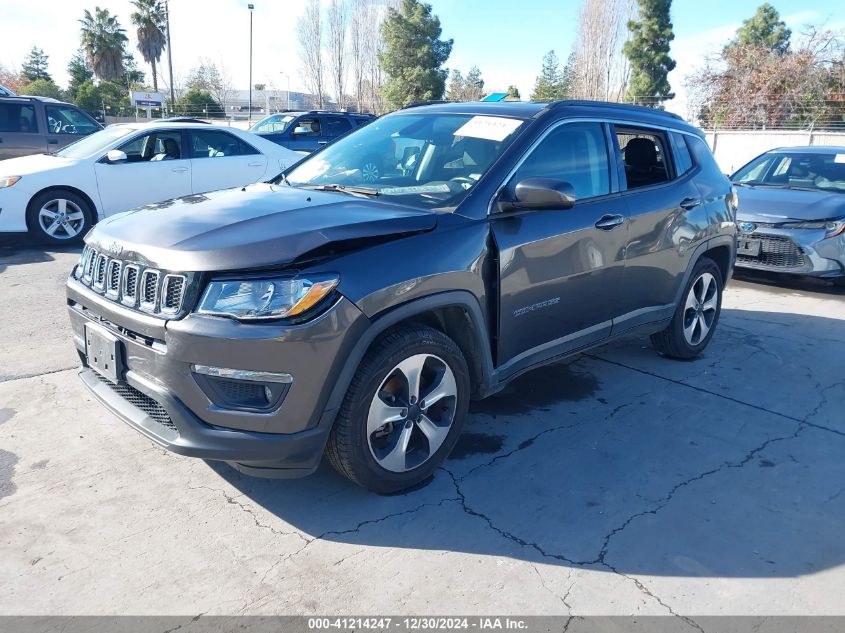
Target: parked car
[
  {"x": 58, "y": 196},
  {"x": 308, "y": 131},
  {"x": 5, "y": 92},
  {"x": 322, "y": 311},
  {"x": 791, "y": 215},
  {"x": 34, "y": 125}
]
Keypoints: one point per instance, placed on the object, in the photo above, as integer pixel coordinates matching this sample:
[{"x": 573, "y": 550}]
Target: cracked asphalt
[{"x": 616, "y": 483}]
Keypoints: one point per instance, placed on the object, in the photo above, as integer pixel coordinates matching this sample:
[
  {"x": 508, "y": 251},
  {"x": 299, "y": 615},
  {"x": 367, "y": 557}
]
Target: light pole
[
  {"x": 288, "y": 91},
  {"x": 169, "y": 55},
  {"x": 249, "y": 116}
]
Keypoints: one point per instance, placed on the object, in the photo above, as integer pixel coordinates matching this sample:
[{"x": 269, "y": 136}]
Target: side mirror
[
  {"x": 540, "y": 193},
  {"x": 300, "y": 130},
  {"x": 116, "y": 156}
]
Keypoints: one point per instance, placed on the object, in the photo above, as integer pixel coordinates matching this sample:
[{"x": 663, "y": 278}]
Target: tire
[
  {"x": 370, "y": 169},
  {"x": 404, "y": 451},
  {"x": 695, "y": 320},
  {"x": 70, "y": 213}
]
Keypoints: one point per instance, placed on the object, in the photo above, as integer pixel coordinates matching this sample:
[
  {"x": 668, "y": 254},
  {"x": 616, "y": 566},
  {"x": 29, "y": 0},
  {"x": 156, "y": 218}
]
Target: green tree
[
  {"x": 42, "y": 88},
  {"x": 199, "y": 103},
  {"x": 104, "y": 42},
  {"x": 764, "y": 29},
  {"x": 549, "y": 85},
  {"x": 474, "y": 85},
  {"x": 513, "y": 93},
  {"x": 132, "y": 75},
  {"x": 413, "y": 54},
  {"x": 648, "y": 52},
  {"x": 79, "y": 72},
  {"x": 456, "y": 86},
  {"x": 35, "y": 65},
  {"x": 149, "y": 20},
  {"x": 107, "y": 97}
]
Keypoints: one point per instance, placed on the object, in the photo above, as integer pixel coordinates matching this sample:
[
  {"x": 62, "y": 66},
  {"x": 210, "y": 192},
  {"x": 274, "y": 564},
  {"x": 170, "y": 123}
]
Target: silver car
[{"x": 791, "y": 216}]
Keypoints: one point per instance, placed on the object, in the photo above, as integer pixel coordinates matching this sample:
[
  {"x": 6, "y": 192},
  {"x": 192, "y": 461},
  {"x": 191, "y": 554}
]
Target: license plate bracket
[
  {"x": 748, "y": 247},
  {"x": 103, "y": 350}
]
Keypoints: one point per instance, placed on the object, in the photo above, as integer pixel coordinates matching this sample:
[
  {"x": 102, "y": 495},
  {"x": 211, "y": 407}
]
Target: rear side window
[
  {"x": 335, "y": 126},
  {"x": 645, "y": 155},
  {"x": 18, "y": 117},
  {"x": 575, "y": 153},
  {"x": 683, "y": 160},
  {"x": 214, "y": 144}
]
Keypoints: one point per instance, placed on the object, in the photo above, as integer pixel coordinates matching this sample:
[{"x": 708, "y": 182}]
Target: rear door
[
  {"x": 221, "y": 160},
  {"x": 560, "y": 270},
  {"x": 20, "y": 131},
  {"x": 332, "y": 127},
  {"x": 150, "y": 173},
  {"x": 667, "y": 220}
]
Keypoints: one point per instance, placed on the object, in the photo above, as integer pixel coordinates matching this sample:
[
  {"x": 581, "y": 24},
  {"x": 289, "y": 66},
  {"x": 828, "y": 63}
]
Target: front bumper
[
  {"x": 162, "y": 398},
  {"x": 796, "y": 251},
  {"x": 13, "y": 202}
]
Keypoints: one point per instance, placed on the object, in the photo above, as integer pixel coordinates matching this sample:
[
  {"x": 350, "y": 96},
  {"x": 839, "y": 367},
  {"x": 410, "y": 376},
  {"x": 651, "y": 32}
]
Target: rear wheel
[
  {"x": 59, "y": 217},
  {"x": 696, "y": 316},
  {"x": 403, "y": 412}
]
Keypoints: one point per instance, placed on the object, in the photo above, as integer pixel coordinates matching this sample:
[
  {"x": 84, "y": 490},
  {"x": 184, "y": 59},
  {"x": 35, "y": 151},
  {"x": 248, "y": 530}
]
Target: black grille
[
  {"x": 142, "y": 401},
  {"x": 131, "y": 283},
  {"x": 148, "y": 292},
  {"x": 114, "y": 276},
  {"x": 100, "y": 271},
  {"x": 173, "y": 292},
  {"x": 776, "y": 251}
]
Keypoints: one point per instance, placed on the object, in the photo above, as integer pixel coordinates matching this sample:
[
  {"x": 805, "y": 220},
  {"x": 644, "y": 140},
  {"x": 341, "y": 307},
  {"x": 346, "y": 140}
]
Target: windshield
[
  {"x": 95, "y": 143},
  {"x": 429, "y": 160},
  {"x": 273, "y": 124},
  {"x": 800, "y": 170}
]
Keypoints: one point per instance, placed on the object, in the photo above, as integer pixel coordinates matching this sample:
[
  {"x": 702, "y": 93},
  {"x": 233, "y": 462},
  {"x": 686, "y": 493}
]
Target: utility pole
[
  {"x": 170, "y": 56},
  {"x": 250, "y": 7}
]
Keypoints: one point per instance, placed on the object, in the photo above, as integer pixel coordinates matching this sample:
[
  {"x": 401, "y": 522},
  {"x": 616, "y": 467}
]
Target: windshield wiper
[{"x": 365, "y": 191}]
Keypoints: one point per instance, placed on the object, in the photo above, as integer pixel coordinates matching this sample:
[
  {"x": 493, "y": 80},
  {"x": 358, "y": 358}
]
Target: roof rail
[
  {"x": 31, "y": 98},
  {"x": 417, "y": 104},
  {"x": 613, "y": 105}
]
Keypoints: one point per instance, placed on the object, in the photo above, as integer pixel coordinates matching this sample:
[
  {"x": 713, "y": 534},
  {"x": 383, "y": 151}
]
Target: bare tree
[
  {"x": 309, "y": 31},
  {"x": 357, "y": 33},
  {"x": 337, "y": 17},
  {"x": 601, "y": 69},
  {"x": 214, "y": 79}
]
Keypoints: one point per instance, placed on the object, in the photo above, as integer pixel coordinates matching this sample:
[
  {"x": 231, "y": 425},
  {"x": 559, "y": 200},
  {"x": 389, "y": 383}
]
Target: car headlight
[
  {"x": 279, "y": 298},
  {"x": 831, "y": 227},
  {"x": 8, "y": 181}
]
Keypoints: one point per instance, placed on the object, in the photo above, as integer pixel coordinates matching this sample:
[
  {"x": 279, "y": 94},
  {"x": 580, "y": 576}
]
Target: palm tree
[
  {"x": 104, "y": 43},
  {"x": 149, "y": 20}
]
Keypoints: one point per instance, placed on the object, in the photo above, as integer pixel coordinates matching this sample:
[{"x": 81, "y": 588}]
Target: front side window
[
  {"x": 67, "y": 120},
  {"x": 156, "y": 146},
  {"x": 307, "y": 127},
  {"x": 800, "y": 170},
  {"x": 424, "y": 159},
  {"x": 575, "y": 153},
  {"x": 17, "y": 117},
  {"x": 645, "y": 155},
  {"x": 213, "y": 144},
  {"x": 274, "y": 124}
]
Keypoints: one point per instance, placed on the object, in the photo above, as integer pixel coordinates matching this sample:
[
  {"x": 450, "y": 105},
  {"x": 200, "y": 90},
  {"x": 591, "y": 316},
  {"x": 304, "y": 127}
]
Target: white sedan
[{"x": 57, "y": 197}]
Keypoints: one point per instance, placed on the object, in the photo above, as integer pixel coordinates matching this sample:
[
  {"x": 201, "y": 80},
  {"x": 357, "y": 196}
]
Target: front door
[
  {"x": 156, "y": 169},
  {"x": 560, "y": 270},
  {"x": 305, "y": 134}
]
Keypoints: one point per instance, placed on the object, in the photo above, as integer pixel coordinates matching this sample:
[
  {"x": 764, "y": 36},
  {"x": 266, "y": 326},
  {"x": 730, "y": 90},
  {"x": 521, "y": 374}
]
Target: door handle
[
  {"x": 53, "y": 141},
  {"x": 609, "y": 222},
  {"x": 180, "y": 169},
  {"x": 690, "y": 203},
  {"x": 255, "y": 164},
  {"x": 322, "y": 142}
]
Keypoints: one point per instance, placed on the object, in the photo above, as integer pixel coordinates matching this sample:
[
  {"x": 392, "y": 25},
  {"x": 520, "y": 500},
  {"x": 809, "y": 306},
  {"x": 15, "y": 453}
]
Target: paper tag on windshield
[
  {"x": 839, "y": 158},
  {"x": 491, "y": 128}
]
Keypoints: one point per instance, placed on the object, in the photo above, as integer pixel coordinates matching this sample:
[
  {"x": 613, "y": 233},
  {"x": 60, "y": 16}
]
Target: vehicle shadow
[
  {"x": 784, "y": 283},
  {"x": 625, "y": 459},
  {"x": 17, "y": 249}
]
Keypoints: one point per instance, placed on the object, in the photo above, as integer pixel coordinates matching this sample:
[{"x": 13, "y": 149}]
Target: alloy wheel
[
  {"x": 61, "y": 219},
  {"x": 700, "y": 309},
  {"x": 412, "y": 412}
]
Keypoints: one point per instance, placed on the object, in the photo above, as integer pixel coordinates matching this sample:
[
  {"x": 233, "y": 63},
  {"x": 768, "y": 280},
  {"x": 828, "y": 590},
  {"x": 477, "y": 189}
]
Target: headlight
[
  {"x": 265, "y": 298},
  {"x": 831, "y": 227},
  {"x": 8, "y": 181}
]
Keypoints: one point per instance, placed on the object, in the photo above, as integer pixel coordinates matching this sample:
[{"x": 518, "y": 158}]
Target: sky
[{"x": 506, "y": 39}]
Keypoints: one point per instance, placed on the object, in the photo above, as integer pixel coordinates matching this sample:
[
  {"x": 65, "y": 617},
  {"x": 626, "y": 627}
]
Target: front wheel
[
  {"x": 696, "y": 316},
  {"x": 59, "y": 217},
  {"x": 403, "y": 411}
]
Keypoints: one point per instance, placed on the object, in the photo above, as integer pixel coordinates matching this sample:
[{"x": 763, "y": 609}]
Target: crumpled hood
[
  {"x": 256, "y": 226},
  {"x": 774, "y": 205}
]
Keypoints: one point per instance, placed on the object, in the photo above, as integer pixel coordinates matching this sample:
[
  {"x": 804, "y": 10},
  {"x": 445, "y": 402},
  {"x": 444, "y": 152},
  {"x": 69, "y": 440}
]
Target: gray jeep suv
[{"x": 322, "y": 313}]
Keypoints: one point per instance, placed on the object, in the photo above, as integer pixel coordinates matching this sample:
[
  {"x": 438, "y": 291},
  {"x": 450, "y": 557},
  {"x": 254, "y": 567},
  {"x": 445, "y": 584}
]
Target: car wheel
[
  {"x": 696, "y": 316},
  {"x": 403, "y": 411},
  {"x": 59, "y": 217},
  {"x": 370, "y": 169}
]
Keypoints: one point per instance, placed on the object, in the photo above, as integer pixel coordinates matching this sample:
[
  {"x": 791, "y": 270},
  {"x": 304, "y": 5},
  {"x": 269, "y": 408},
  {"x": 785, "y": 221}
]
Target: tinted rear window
[{"x": 18, "y": 117}]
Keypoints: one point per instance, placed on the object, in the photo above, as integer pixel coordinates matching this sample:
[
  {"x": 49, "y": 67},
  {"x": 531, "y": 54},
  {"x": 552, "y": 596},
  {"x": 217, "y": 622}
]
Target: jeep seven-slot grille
[{"x": 146, "y": 289}]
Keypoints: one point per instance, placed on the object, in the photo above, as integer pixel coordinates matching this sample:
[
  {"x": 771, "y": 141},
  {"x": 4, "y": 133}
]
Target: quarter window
[
  {"x": 575, "y": 153},
  {"x": 17, "y": 117},
  {"x": 683, "y": 159},
  {"x": 645, "y": 156}
]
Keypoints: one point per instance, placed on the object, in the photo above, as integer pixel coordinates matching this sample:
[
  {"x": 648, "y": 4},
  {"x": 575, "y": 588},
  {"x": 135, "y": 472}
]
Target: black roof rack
[
  {"x": 417, "y": 104},
  {"x": 32, "y": 98},
  {"x": 612, "y": 105}
]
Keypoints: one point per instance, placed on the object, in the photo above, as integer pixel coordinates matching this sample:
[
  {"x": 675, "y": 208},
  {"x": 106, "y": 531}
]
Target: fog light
[{"x": 243, "y": 390}]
